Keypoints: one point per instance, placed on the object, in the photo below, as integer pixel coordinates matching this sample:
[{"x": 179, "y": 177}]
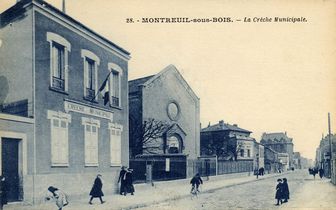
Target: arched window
[{"x": 174, "y": 144}]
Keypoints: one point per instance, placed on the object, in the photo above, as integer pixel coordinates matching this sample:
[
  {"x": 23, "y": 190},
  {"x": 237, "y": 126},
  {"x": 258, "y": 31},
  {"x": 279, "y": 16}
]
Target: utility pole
[{"x": 330, "y": 144}]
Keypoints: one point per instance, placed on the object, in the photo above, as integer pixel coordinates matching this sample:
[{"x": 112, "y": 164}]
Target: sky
[{"x": 263, "y": 76}]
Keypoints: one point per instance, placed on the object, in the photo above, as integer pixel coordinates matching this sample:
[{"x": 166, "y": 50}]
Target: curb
[{"x": 178, "y": 197}]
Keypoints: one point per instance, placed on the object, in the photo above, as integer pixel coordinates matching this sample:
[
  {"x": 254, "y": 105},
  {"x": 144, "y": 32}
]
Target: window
[
  {"x": 115, "y": 82},
  {"x": 115, "y": 89},
  {"x": 115, "y": 143},
  {"x": 91, "y": 62},
  {"x": 59, "y": 138},
  {"x": 248, "y": 153},
  {"x": 90, "y": 141},
  {"x": 59, "y": 48},
  {"x": 241, "y": 153},
  {"x": 173, "y": 145}
]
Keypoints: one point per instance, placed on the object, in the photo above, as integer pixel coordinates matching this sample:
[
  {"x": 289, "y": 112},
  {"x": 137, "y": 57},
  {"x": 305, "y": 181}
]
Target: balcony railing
[
  {"x": 90, "y": 93},
  {"x": 115, "y": 101},
  {"x": 58, "y": 83}
]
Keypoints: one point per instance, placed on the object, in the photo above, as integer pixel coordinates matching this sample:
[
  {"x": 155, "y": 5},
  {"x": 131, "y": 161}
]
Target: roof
[
  {"x": 133, "y": 85},
  {"x": 145, "y": 81},
  {"x": 20, "y": 5},
  {"x": 224, "y": 127},
  {"x": 275, "y": 136}
]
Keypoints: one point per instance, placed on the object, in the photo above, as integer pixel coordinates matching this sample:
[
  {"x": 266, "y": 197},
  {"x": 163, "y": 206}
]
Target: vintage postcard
[{"x": 156, "y": 104}]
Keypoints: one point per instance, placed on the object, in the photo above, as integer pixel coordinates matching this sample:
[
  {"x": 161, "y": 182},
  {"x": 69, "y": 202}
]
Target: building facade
[
  {"x": 67, "y": 133},
  {"x": 271, "y": 157},
  {"x": 297, "y": 160},
  {"x": 323, "y": 154},
  {"x": 228, "y": 142},
  {"x": 164, "y": 103},
  {"x": 280, "y": 143}
]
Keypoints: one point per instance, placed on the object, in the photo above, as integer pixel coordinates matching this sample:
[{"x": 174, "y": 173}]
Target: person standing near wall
[{"x": 122, "y": 180}]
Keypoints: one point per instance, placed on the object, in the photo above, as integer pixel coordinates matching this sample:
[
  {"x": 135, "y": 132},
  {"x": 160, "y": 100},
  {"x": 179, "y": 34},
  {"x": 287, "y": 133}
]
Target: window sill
[
  {"x": 115, "y": 107},
  {"x": 90, "y": 100},
  {"x": 115, "y": 164},
  {"x": 58, "y": 90},
  {"x": 59, "y": 165},
  {"x": 91, "y": 165}
]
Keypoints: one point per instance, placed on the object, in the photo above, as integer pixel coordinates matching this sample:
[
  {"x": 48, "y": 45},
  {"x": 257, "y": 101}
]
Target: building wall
[
  {"x": 159, "y": 94},
  {"x": 22, "y": 129},
  {"x": 16, "y": 54},
  {"x": 76, "y": 173}
]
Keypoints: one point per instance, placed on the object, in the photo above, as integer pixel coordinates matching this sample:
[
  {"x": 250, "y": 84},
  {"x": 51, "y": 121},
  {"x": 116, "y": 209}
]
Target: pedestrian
[
  {"x": 262, "y": 171},
  {"x": 3, "y": 191},
  {"x": 321, "y": 172},
  {"x": 128, "y": 177},
  {"x": 285, "y": 190},
  {"x": 59, "y": 196},
  {"x": 121, "y": 180},
  {"x": 96, "y": 191},
  {"x": 278, "y": 193},
  {"x": 314, "y": 172},
  {"x": 196, "y": 181}
]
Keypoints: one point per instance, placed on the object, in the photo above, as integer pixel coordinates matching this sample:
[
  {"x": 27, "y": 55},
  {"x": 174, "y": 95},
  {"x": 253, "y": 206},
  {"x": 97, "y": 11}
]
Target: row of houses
[
  {"x": 326, "y": 156},
  {"x": 68, "y": 111},
  {"x": 274, "y": 151}
]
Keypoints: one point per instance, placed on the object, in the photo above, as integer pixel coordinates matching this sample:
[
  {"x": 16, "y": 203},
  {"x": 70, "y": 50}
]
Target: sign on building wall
[{"x": 76, "y": 107}]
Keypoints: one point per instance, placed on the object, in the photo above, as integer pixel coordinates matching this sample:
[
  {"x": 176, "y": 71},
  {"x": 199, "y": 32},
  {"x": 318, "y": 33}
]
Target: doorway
[{"x": 10, "y": 167}]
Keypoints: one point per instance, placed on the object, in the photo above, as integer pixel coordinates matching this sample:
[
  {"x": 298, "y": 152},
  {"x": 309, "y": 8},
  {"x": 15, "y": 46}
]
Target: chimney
[
  {"x": 235, "y": 125},
  {"x": 209, "y": 125},
  {"x": 221, "y": 123},
  {"x": 63, "y": 6}
]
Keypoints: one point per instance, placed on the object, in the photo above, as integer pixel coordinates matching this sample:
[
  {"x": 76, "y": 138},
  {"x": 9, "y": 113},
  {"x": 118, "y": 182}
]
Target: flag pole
[{"x": 101, "y": 86}]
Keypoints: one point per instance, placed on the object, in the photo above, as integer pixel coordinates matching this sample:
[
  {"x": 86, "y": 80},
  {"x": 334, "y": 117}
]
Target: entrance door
[{"x": 10, "y": 167}]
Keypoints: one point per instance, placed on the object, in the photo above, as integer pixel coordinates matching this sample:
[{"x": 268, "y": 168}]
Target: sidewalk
[{"x": 146, "y": 194}]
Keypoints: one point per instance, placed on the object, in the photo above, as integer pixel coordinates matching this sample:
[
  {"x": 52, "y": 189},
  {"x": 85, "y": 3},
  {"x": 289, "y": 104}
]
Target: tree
[
  {"x": 145, "y": 133},
  {"x": 226, "y": 148}
]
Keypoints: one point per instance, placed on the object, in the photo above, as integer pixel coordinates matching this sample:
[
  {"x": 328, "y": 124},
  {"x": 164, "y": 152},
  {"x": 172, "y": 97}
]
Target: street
[{"x": 305, "y": 193}]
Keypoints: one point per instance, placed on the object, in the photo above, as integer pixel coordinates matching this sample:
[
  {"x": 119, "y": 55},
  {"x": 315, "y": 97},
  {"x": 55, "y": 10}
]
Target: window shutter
[{"x": 115, "y": 143}]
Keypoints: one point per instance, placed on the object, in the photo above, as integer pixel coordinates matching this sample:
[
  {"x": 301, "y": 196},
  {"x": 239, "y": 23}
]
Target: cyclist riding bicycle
[{"x": 195, "y": 182}]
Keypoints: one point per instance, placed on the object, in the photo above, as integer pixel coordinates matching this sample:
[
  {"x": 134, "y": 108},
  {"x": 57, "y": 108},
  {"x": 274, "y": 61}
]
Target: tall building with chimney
[{"x": 55, "y": 127}]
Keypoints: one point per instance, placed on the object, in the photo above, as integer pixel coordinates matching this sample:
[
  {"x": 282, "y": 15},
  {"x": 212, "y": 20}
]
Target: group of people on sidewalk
[
  {"x": 282, "y": 191},
  {"x": 314, "y": 171},
  {"x": 126, "y": 186}
]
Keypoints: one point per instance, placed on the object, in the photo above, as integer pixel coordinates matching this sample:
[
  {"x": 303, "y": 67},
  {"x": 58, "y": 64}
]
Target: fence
[
  {"x": 159, "y": 168},
  {"x": 207, "y": 167}
]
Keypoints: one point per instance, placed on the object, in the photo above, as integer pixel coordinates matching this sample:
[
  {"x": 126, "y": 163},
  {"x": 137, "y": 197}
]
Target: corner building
[{"x": 55, "y": 66}]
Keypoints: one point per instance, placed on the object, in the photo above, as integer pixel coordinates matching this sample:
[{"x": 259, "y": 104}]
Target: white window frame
[
  {"x": 94, "y": 141},
  {"x": 54, "y": 136},
  {"x": 55, "y": 38},
  {"x": 115, "y": 68},
  {"x": 115, "y": 135},
  {"x": 90, "y": 55}
]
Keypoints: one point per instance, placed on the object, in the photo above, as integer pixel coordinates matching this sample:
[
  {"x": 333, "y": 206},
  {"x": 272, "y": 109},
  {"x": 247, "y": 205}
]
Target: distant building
[
  {"x": 323, "y": 156},
  {"x": 164, "y": 98},
  {"x": 272, "y": 163},
  {"x": 54, "y": 127},
  {"x": 297, "y": 160},
  {"x": 259, "y": 155},
  {"x": 228, "y": 142},
  {"x": 280, "y": 143}
]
